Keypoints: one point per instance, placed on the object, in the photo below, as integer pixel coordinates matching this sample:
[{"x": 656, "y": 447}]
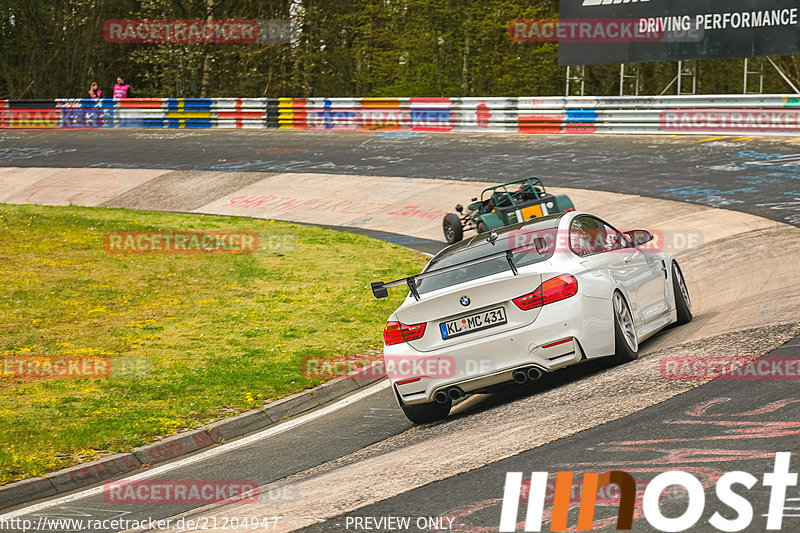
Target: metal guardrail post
[
  {"x": 691, "y": 72},
  {"x": 580, "y": 77},
  {"x": 623, "y": 77},
  {"x": 759, "y": 73}
]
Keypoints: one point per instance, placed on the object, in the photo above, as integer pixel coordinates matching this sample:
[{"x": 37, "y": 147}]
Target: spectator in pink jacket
[
  {"x": 94, "y": 92},
  {"x": 121, "y": 88}
]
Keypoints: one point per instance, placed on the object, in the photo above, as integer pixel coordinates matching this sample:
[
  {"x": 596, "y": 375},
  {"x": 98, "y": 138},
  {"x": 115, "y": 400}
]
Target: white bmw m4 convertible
[{"x": 509, "y": 305}]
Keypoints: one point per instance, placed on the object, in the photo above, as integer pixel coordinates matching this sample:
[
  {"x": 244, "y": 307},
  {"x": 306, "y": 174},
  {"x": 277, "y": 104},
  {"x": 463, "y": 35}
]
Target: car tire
[
  {"x": 626, "y": 343},
  {"x": 482, "y": 227},
  {"x": 683, "y": 303},
  {"x": 426, "y": 412},
  {"x": 453, "y": 231}
]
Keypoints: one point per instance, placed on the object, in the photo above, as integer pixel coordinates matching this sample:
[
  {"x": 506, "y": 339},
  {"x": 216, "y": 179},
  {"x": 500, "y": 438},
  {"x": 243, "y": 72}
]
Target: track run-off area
[{"x": 727, "y": 208}]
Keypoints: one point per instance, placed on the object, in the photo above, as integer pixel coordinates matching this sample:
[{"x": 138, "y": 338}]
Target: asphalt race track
[
  {"x": 341, "y": 433},
  {"x": 721, "y": 427},
  {"x": 715, "y": 428},
  {"x": 754, "y": 175}
]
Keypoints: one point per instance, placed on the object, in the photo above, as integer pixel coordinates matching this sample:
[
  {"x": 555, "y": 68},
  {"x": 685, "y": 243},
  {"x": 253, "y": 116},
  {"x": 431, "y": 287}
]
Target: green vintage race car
[{"x": 501, "y": 205}]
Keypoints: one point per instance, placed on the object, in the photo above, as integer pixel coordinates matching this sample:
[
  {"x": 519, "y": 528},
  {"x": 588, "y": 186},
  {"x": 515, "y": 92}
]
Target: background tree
[{"x": 56, "y": 48}]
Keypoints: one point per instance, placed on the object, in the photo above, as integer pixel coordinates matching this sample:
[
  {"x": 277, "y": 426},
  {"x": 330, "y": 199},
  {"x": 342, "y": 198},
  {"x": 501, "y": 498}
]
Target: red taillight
[
  {"x": 557, "y": 343},
  {"x": 397, "y": 332},
  {"x": 554, "y": 289}
]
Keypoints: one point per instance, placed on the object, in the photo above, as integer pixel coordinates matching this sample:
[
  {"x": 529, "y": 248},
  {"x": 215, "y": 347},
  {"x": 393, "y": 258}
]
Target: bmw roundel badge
[{"x": 464, "y": 301}]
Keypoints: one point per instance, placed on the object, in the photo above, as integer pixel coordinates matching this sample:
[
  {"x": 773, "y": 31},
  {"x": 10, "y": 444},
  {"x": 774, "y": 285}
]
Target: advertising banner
[{"x": 677, "y": 29}]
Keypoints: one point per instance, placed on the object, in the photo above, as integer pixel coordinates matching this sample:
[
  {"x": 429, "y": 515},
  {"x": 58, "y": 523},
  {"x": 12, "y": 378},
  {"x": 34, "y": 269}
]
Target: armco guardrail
[{"x": 722, "y": 114}]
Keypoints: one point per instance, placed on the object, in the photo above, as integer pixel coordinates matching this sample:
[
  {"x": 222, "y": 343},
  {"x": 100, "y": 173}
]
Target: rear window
[{"x": 524, "y": 256}]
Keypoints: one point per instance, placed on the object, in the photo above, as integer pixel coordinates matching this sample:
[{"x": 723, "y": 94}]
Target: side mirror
[
  {"x": 640, "y": 236},
  {"x": 474, "y": 199},
  {"x": 459, "y": 209},
  {"x": 379, "y": 291}
]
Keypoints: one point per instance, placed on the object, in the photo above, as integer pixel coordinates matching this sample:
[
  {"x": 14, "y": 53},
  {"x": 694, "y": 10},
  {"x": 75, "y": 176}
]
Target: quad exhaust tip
[
  {"x": 445, "y": 395},
  {"x": 534, "y": 373},
  {"x": 441, "y": 396},
  {"x": 520, "y": 376},
  {"x": 523, "y": 375},
  {"x": 455, "y": 393}
]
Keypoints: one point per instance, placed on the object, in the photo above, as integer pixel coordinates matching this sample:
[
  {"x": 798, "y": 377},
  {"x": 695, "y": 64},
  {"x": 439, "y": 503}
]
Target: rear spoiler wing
[{"x": 379, "y": 288}]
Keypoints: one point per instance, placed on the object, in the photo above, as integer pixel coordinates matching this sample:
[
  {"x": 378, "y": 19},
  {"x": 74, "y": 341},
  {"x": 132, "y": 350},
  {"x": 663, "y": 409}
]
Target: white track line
[{"x": 218, "y": 450}]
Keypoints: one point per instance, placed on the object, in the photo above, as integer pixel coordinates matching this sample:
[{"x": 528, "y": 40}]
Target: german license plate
[{"x": 471, "y": 323}]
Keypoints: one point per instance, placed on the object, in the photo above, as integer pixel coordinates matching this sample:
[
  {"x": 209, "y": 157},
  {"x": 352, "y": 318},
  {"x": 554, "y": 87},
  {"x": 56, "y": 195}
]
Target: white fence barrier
[{"x": 709, "y": 115}]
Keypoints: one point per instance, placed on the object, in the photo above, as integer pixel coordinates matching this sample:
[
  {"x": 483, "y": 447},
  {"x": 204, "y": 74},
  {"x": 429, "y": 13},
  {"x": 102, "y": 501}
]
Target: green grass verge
[{"x": 207, "y": 335}]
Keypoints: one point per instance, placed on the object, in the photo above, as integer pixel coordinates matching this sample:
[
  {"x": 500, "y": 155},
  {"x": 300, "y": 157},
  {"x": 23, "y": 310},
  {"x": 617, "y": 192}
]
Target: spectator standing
[
  {"x": 94, "y": 92},
  {"x": 121, "y": 88}
]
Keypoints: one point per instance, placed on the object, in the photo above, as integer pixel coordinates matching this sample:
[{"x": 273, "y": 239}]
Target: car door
[
  {"x": 652, "y": 288},
  {"x": 605, "y": 252}
]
